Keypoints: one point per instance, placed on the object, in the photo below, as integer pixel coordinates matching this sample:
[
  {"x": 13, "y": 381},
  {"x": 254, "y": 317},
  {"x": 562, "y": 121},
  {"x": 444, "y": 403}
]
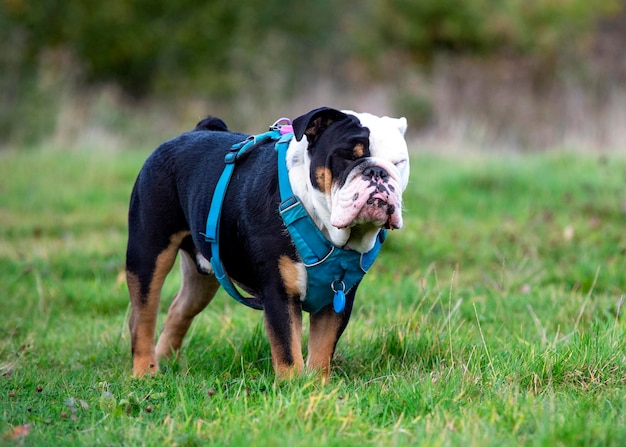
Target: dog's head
[{"x": 350, "y": 172}]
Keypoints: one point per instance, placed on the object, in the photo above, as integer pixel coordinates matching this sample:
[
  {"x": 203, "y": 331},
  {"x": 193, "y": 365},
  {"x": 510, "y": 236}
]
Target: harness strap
[
  {"x": 295, "y": 215},
  {"x": 283, "y": 174},
  {"x": 211, "y": 235},
  {"x": 296, "y": 218}
]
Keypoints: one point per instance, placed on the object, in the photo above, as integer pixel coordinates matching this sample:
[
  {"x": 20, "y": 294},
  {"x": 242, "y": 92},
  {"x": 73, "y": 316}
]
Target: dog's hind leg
[
  {"x": 145, "y": 273},
  {"x": 196, "y": 292}
]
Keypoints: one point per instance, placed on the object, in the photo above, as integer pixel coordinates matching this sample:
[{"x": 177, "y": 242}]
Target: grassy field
[{"x": 494, "y": 318}]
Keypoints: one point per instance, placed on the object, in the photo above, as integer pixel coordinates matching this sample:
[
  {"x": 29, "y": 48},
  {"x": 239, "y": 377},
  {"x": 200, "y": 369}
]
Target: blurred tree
[
  {"x": 142, "y": 45},
  {"x": 217, "y": 48},
  {"x": 422, "y": 28}
]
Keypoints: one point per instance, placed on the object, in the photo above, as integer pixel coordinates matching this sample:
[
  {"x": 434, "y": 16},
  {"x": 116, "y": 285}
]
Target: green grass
[{"x": 494, "y": 318}]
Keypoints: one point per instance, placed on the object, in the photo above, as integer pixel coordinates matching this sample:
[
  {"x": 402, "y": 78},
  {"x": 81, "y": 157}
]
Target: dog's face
[{"x": 350, "y": 173}]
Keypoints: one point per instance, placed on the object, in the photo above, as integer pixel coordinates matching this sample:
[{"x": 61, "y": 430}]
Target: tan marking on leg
[
  {"x": 283, "y": 369},
  {"x": 359, "y": 150},
  {"x": 324, "y": 179},
  {"x": 144, "y": 312},
  {"x": 142, "y": 322},
  {"x": 196, "y": 291},
  {"x": 293, "y": 275},
  {"x": 322, "y": 341}
]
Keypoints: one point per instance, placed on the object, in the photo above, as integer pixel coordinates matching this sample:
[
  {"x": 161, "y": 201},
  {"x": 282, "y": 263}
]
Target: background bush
[{"x": 216, "y": 50}]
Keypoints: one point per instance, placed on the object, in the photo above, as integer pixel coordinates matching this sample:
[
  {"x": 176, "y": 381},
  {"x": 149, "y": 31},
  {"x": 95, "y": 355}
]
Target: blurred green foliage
[
  {"x": 216, "y": 48},
  {"x": 142, "y": 45},
  {"x": 534, "y": 27},
  {"x": 145, "y": 46}
]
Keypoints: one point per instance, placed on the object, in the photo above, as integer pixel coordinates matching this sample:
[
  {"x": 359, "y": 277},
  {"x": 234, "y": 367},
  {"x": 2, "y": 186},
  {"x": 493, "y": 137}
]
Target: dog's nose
[{"x": 375, "y": 173}]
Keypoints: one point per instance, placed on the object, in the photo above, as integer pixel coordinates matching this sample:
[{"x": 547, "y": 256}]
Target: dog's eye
[{"x": 399, "y": 164}]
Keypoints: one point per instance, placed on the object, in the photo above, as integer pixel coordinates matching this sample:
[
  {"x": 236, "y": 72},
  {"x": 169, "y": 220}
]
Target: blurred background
[{"x": 485, "y": 74}]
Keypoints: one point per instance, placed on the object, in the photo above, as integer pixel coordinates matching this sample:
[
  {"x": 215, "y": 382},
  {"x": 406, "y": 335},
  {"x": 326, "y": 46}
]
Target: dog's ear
[
  {"x": 401, "y": 122},
  {"x": 314, "y": 123}
]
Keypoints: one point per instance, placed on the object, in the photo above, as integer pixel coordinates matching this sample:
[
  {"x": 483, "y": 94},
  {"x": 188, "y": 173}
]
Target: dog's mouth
[
  {"x": 373, "y": 197},
  {"x": 379, "y": 211}
]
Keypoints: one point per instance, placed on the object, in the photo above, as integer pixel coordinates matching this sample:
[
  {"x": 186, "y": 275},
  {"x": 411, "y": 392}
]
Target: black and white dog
[{"x": 349, "y": 173}]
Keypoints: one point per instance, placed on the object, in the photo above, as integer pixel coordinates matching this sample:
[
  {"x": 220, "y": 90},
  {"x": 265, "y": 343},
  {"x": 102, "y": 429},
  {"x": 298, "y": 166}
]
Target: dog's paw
[{"x": 145, "y": 367}]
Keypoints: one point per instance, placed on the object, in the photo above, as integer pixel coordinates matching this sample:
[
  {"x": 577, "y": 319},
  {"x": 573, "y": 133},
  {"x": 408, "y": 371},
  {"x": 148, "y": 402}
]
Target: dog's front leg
[
  {"x": 283, "y": 323},
  {"x": 326, "y": 328}
]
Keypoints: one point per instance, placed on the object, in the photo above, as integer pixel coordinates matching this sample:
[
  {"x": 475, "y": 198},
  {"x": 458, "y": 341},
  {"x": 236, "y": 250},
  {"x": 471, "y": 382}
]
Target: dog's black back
[{"x": 173, "y": 194}]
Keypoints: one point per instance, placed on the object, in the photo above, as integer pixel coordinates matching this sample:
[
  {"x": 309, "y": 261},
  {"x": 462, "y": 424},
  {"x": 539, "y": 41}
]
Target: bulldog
[{"x": 348, "y": 171}]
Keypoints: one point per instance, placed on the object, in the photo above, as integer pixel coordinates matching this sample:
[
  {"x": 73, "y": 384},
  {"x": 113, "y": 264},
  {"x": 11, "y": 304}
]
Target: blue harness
[{"x": 331, "y": 271}]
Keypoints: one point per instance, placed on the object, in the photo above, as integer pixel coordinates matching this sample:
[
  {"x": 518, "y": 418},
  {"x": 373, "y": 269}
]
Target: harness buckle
[
  {"x": 342, "y": 286},
  {"x": 283, "y": 125}
]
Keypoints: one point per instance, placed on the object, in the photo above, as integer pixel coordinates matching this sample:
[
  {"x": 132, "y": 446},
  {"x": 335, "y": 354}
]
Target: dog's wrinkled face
[{"x": 356, "y": 167}]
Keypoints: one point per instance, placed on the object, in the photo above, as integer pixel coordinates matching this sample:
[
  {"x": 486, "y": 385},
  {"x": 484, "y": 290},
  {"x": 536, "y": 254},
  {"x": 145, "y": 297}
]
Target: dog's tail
[{"x": 211, "y": 123}]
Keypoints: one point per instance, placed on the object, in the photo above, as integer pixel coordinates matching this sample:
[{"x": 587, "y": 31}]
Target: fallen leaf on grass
[{"x": 20, "y": 431}]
